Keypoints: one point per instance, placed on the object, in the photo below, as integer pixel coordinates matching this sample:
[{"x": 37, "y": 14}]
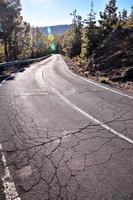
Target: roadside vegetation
[
  {"x": 16, "y": 38},
  {"x": 88, "y": 34},
  {"x": 103, "y": 49}
]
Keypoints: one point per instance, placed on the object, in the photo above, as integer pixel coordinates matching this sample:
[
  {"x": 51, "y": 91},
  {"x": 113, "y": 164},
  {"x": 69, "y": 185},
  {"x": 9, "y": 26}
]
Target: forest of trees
[
  {"x": 18, "y": 42},
  {"x": 88, "y": 34},
  {"x": 16, "y": 38}
]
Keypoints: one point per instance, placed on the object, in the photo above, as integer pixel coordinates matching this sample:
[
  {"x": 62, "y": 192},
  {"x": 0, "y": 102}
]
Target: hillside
[
  {"x": 55, "y": 30},
  {"x": 112, "y": 60}
]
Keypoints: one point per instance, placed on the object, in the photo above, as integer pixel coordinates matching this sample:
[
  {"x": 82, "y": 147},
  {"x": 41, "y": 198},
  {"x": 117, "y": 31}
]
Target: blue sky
[{"x": 54, "y": 12}]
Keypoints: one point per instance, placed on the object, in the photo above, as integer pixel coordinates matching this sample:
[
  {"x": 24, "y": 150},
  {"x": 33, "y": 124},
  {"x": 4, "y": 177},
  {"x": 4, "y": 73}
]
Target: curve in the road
[
  {"x": 99, "y": 85},
  {"x": 103, "y": 125}
]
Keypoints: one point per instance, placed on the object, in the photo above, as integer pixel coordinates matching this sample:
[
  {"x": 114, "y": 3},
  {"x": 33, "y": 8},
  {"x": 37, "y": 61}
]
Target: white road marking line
[
  {"x": 9, "y": 186},
  {"x": 92, "y": 82},
  {"x": 106, "y": 127}
]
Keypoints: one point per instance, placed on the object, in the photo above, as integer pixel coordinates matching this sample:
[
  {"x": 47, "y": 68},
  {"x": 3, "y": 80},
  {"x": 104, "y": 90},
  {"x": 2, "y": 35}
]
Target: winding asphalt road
[{"x": 64, "y": 137}]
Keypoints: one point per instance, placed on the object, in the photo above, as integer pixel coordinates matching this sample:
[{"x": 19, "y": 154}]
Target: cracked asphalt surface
[{"x": 56, "y": 153}]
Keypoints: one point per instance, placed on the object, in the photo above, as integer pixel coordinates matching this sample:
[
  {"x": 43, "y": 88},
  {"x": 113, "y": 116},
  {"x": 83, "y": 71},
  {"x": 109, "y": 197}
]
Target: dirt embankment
[{"x": 113, "y": 59}]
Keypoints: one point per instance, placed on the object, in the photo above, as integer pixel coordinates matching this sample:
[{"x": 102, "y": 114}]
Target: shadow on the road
[
  {"x": 22, "y": 70},
  {"x": 10, "y": 73},
  {"x": 3, "y": 77},
  {"x": 11, "y": 78}
]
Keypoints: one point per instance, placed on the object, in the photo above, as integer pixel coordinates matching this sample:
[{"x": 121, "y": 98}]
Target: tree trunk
[{"x": 6, "y": 51}]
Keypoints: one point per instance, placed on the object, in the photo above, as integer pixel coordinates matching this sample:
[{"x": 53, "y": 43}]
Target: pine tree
[
  {"x": 91, "y": 20},
  {"x": 16, "y": 38},
  {"x": 120, "y": 18},
  {"x": 67, "y": 43},
  {"x": 109, "y": 17},
  {"x": 77, "y": 33},
  {"x": 39, "y": 46},
  {"x": 131, "y": 15},
  {"x": 25, "y": 41},
  {"x": 90, "y": 34},
  {"x": 84, "y": 46},
  {"x": 9, "y": 12},
  {"x": 124, "y": 15}
]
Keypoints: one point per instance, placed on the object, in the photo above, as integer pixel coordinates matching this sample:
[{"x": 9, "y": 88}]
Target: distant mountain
[{"x": 55, "y": 30}]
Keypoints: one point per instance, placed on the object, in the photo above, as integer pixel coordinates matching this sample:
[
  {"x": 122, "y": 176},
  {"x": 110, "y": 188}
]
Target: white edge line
[
  {"x": 92, "y": 82},
  {"x": 7, "y": 180},
  {"x": 106, "y": 127},
  {"x": 9, "y": 186}
]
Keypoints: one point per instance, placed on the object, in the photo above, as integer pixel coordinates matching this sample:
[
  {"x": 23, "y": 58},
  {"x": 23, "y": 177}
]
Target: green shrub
[{"x": 104, "y": 79}]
